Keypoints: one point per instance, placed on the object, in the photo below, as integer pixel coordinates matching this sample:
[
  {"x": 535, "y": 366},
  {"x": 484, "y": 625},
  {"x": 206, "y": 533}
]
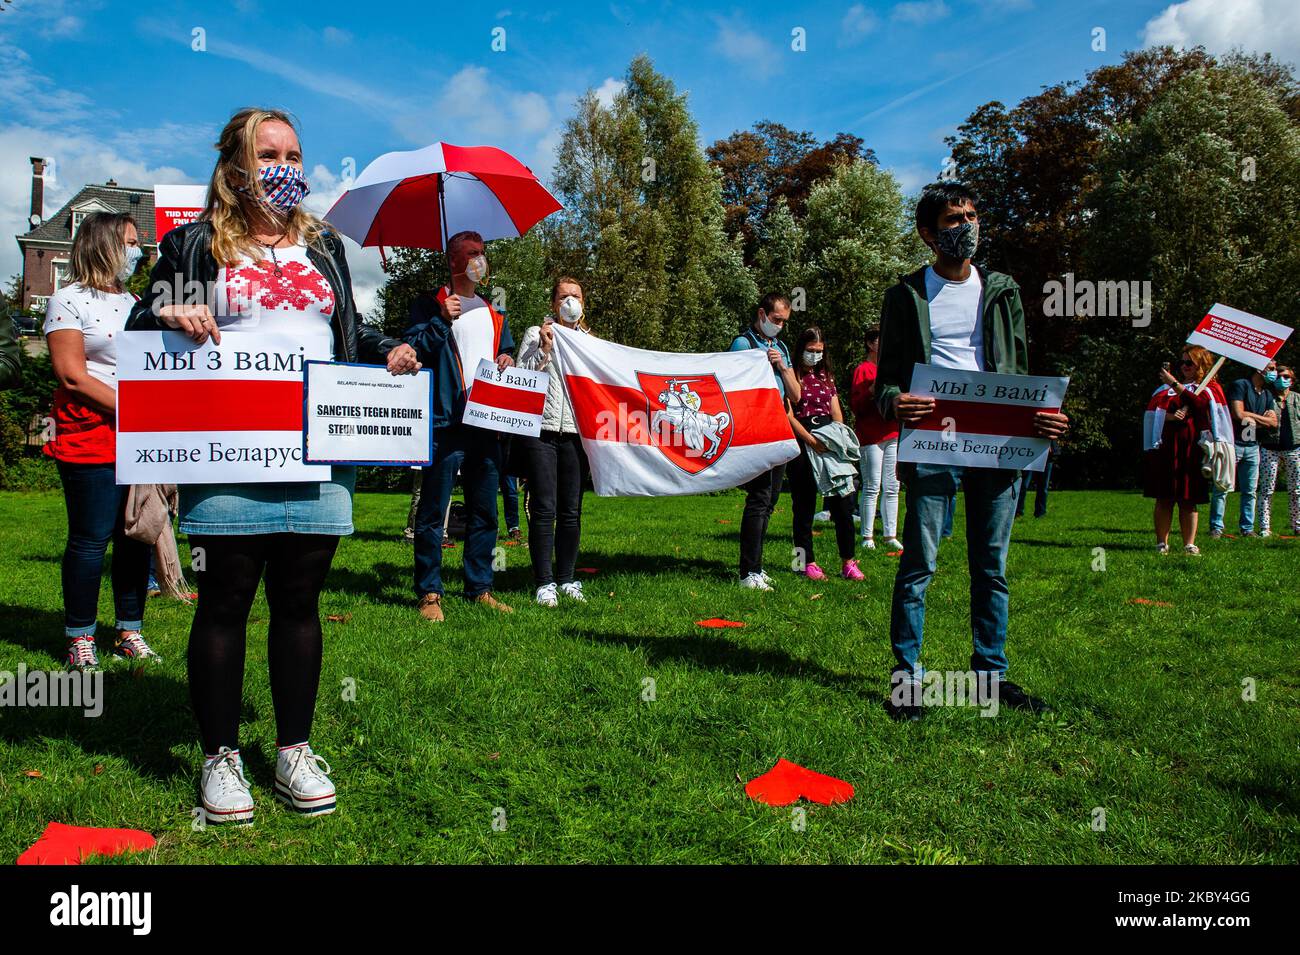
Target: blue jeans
[
  {"x": 1041, "y": 480},
  {"x": 510, "y": 500},
  {"x": 477, "y": 453},
  {"x": 1247, "y": 477},
  {"x": 96, "y": 507},
  {"x": 948, "y": 514},
  {"x": 990, "y": 512}
]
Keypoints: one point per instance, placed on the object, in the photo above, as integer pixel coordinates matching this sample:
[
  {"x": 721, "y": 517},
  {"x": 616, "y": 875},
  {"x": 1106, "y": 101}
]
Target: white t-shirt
[
  {"x": 100, "y": 317},
  {"x": 252, "y": 297},
  {"x": 956, "y": 328}
]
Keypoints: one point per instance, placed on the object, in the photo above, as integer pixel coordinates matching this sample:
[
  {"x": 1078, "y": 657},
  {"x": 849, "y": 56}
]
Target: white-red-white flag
[{"x": 661, "y": 423}]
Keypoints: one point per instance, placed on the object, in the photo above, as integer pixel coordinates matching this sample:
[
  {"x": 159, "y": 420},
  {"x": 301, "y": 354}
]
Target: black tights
[{"x": 295, "y": 566}]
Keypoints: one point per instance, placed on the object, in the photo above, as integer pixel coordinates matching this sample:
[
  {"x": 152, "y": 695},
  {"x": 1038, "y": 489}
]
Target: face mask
[
  {"x": 283, "y": 187},
  {"x": 768, "y": 329},
  {"x": 1282, "y": 384},
  {"x": 812, "y": 357},
  {"x": 960, "y": 241},
  {"x": 571, "y": 309},
  {"x": 476, "y": 269},
  {"x": 1270, "y": 376},
  {"x": 133, "y": 254}
]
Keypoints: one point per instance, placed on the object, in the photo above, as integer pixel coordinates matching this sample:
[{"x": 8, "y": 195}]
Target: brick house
[{"x": 48, "y": 243}]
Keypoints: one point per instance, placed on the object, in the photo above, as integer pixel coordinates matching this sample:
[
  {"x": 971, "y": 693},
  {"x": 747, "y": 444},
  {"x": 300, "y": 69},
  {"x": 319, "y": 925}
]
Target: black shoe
[
  {"x": 1011, "y": 695},
  {"x": 903, "y": 713}
]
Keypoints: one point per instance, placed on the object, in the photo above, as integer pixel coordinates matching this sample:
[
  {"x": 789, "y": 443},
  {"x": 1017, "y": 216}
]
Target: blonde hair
[
  {"x": 236, "y": 168},
  {"x": 570, "y": 280},
  {"x": 1201, "y": 359},
  {"x": 99, "y": 251}
]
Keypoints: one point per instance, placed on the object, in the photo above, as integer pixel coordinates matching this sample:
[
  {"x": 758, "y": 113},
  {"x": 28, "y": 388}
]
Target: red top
[
  {"x": 81, "y": 435},
  {"x": 815, "y": 396},
  {"x": 868, "y": 423}
]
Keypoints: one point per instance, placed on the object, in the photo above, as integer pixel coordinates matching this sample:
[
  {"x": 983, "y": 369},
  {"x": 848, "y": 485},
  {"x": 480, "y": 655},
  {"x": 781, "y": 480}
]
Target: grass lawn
[{"x": 541, "y": 714}]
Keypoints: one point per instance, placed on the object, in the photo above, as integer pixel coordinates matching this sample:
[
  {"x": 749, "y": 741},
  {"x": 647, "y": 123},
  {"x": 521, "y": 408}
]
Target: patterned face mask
[
  {"x": 960, "y": 241},
  {"x": 283, "y": 187}
]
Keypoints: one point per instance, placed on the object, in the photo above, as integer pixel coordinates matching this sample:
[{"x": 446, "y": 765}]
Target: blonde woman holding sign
[{"x": 261, "y": 262}]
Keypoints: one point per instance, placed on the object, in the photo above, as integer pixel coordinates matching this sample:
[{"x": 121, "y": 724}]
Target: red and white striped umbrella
[{"x": 421, "y": 197}]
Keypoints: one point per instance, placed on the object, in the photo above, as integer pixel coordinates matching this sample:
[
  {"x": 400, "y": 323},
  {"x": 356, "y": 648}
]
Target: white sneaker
[
  {"x": 869, "y": 543},
  {"x": 224, "y": 790},
  {"x": 894, "y": 544},
  {"x": 301, "y": 781},
  {"x": 573, "y": 590},
  {"x": 766, "y": 579},
  {"x": 546, "y": 595},
  {"x": 1266, "y": 533},
  {"x": 1162, "y": 548},
  {"x": 755, "y": 582},
  {"x": 822, "y": 516}
]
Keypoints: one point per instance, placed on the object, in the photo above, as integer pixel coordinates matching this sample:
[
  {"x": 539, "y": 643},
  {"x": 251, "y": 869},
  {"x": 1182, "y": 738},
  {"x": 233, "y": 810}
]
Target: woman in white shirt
[
  {"x": 556, "y": 461},
  {"x": 82, "y": 324}
]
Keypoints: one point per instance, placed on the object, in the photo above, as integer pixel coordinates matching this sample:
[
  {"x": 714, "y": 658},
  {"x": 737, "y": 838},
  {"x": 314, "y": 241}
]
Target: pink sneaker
[
  {"x": 814, "y": 572},
  {"x": 851, "y": 571}
]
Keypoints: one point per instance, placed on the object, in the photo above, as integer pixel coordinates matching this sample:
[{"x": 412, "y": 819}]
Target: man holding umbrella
[{"x": 475, "y": 450}]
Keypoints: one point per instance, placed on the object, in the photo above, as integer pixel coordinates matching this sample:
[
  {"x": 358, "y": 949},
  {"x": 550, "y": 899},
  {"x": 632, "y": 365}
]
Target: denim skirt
[{"x": 296, "y": 508}]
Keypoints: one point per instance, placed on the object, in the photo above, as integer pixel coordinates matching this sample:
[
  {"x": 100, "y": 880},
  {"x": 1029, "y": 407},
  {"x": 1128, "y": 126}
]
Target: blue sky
[{"x": 112, "y": 88}]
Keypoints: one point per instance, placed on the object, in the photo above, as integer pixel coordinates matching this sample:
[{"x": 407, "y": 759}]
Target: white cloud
[
  {"x": 857, "y": 23},
  {"x": 1256, "y": 26},
  {"x": 336, "y": 36},
  {"x": 78, "y": 160},
  {"x": 608, "y": 90},
  {"x": 740, "y": 44},
  {"x": 364, "y": 264},
  {"x": 912, "y": 178},
  {"x": 920, "y": 12}
]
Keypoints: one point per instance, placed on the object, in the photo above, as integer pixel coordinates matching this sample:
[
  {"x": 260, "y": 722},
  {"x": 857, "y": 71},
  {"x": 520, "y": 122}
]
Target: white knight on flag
[{"x": 659, "y": 423}]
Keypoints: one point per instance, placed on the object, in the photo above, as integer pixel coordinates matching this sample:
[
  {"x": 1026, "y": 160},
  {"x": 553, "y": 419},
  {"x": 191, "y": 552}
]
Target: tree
[
  {"x": 772, "y": 164},
  {"x": 643, "y": 221},
  {"x": 858, "y": 237}
]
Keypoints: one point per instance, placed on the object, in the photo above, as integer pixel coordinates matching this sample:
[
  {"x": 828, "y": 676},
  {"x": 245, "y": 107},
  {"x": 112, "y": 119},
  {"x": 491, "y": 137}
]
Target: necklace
[{"x": 275, "y": 263}]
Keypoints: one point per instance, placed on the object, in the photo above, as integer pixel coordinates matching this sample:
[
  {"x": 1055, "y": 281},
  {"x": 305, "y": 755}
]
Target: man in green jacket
[
  {"x": 952, "y": 315},
  {"x": 11, "y": 370}
]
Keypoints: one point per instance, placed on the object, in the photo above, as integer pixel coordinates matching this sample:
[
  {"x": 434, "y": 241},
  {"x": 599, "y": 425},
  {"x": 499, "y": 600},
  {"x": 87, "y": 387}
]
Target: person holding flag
[
  {"x": 953, "y": 315},
  {"x": 556, "y": 462},
  {"x": 453, "y": 352},
  {"x": 1176, "y": 416},
  {"x": 761, "y": 492}
]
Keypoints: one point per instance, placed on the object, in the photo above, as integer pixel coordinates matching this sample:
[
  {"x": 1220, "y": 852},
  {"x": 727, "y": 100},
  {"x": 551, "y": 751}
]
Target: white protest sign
[
  {"x": 1239, "y": 335},
  {"x": 981, "y": 419},
  {"x": 509, "y": 400},
  {"x": 361, "y": 414},
  {"x": 208, "y": 414}
]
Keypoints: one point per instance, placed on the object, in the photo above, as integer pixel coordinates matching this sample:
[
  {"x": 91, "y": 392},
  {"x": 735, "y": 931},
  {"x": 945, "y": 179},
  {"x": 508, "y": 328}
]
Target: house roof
[{"x": 137, "y": 202}]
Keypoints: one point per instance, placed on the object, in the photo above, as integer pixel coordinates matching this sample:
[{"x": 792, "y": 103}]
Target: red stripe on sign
[
  {"x": 983, "y": 417},
  {"x": 505, "y": 398},
  {"x": 218, "y": 405},
  {"x": 618, "y": 413},
  {"x": 1232, "y": 332}
]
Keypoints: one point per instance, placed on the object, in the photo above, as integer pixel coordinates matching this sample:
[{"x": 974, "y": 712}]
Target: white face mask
[
  {"x": 811, "y": 357},
  {"x": 476, "y": 269},
  {"x": 768, "y": 328},
  {"x": 570, "y": 309},
  {"x": 133, "y": 254}
]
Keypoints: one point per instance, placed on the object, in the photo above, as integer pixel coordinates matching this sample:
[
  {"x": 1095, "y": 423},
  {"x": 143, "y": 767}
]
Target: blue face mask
[
  {"x": 1282, "y": 384},
  {"x": 1270, "y": 376}
]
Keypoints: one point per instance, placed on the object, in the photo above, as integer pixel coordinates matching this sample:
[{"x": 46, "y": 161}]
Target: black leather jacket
[{"x": 185, "y": 256}]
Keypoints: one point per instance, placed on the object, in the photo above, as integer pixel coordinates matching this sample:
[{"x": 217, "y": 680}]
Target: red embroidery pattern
[{"x": 298, "y": 287}]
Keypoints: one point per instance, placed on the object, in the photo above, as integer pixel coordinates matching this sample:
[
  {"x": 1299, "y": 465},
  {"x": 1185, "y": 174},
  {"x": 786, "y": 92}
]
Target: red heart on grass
[
  {"x": 1149, "y": 603},
  {"x": 786, "y": 782},
  {"x": 717, "y": 623},
  {"x": 587, "y": 570},
  {"x": 70, "y": 845},
  {"x": 893, "y": 553}
]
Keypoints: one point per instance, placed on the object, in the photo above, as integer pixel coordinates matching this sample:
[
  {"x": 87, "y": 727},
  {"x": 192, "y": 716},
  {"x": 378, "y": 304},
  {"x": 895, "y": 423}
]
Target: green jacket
[
  {"x": 905, "y": 333},
  {"x": 11, "y": 371}
]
